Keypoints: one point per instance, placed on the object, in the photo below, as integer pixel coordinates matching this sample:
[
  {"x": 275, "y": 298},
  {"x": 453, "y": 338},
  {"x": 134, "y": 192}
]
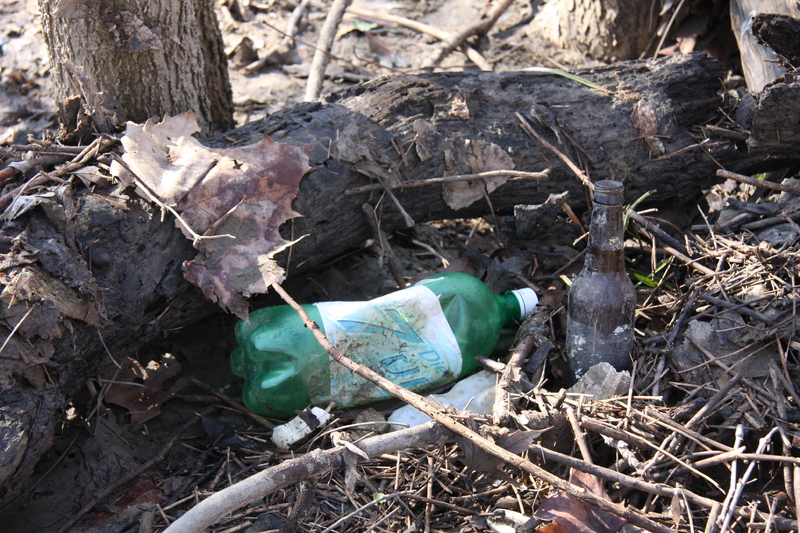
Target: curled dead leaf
[{"x": 476, "y": 459}]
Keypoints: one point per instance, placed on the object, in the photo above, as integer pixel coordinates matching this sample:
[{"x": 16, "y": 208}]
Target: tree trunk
[
  {"x": 607, "y": 30},
  {"x": 89, "y": 276},
  {"x": 132, "y": 60}
]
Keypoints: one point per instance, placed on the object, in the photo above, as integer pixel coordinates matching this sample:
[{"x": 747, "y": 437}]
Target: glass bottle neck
[{"x": 605, "y": 249}]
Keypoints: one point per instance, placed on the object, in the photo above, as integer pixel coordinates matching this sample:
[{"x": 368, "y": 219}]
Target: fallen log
[{"x": 89, "y": 276}]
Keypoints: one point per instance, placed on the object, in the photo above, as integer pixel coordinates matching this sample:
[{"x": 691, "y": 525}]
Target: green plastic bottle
[{"x": 421, "y": 337}]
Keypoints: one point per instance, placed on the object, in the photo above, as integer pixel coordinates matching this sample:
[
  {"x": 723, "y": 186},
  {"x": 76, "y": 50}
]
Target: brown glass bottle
[{"x": 602, "y": 299}]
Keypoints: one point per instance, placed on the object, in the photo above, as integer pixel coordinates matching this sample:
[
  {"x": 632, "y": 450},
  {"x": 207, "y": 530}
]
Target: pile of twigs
[{"x": 703, "y": 440}]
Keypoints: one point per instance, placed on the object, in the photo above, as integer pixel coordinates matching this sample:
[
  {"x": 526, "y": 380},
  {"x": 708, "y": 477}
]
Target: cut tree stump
[{"x": 89, "y": 276}]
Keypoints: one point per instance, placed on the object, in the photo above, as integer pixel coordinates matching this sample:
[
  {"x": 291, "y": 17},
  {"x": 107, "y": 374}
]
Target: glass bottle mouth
[{"x": 609, "y": 192}]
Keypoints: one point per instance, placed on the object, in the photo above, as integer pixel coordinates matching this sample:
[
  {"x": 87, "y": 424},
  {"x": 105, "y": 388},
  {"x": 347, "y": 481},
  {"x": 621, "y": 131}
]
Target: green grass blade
[{"x": 565, "y": 74}]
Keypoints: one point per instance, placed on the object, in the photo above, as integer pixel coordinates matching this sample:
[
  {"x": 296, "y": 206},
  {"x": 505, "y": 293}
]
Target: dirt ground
[{"x": 81, "y": 462}]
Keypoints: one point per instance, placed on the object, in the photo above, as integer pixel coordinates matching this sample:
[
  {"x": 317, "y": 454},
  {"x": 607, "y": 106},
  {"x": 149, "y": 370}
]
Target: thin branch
[
  {"x": 377, "y": 233},
  {"x": 758, "y": 183},
  {"x": 253, "y": 66},
  {"x": 284, "y": 46},
  {"x": 442, "y": 35},
  {"x": 694, "y": 263},
  {"x": 479, "y": 28},
  {"x": 450, "y": 179},
  {"x": 17, "y": 325},
  {"x": 741, "y": 308},
  {"x": 660, "y": 234},
  {"x": 511, "y": 374},
  {"x": 326, "y": 37},
  {"x": 39, "y": 179},
  {"x": 103, "y": 342},
  {"x": 233, "y": 403},
  {"x": 567, "y": 161}
]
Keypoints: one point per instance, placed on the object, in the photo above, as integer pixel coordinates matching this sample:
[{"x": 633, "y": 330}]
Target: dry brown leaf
[
  {"x": 690, "y": 31},
  {"x": 426, "y": 139},
  {"x": 140, "y": 389},
  {"x": 518, "y": 441},
  {"x": 142, "y": 491},
  {"x": 573, "y": 515},
  {"x": 239, "y": 195},
  {"x": 478, "y": 460},
  {"x": 474, "y": 457},
  {"x": 472, "y": 157},
  {"x": 351, "y": 475},
  {"x": 644, "y": 119}
]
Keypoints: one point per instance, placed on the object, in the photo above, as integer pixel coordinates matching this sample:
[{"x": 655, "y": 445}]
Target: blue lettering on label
[
  {"x": 441, "y": 369},
  {"x": 398, "y": 366},
  {"x": 431, "y": 355},
  {"x": 419, "y": 383},
  {"x": 404, "y": 332}
]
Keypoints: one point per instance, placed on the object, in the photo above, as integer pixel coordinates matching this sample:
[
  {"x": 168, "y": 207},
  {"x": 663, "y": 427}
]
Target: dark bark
[
  {"x": 781, "y": 33},
  {"x": 83, "y": 265}
]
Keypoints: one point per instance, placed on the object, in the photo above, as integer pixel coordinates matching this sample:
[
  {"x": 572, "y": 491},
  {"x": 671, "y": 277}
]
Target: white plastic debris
[
  {"x": 602, "y": 381},
  {"x": 505, "y": 521},
  {"x": 478, "y": 387},
  {"x": 296, "y": 429}
]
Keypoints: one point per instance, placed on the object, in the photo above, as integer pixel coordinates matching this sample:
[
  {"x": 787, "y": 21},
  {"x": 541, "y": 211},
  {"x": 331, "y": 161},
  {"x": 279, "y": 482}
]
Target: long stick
[
  {"x": 480, "y": 29},
  {"x": 442, "y": 35}
]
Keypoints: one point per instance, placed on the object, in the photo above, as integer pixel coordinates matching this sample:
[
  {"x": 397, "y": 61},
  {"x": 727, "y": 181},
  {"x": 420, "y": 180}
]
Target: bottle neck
[
  {"x": 517, "y": 304},
  {"x": 605, "y": 249},
  {"x": 509, "y": 307}
]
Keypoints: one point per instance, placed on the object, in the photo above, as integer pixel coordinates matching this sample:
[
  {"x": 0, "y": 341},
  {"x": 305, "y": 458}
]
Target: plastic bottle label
[{"x": 403, "y": 336}]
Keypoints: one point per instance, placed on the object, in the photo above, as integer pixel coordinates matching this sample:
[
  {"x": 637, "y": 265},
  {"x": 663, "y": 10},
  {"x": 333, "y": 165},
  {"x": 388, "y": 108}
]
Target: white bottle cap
[{"x": 527, "y": 301}]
